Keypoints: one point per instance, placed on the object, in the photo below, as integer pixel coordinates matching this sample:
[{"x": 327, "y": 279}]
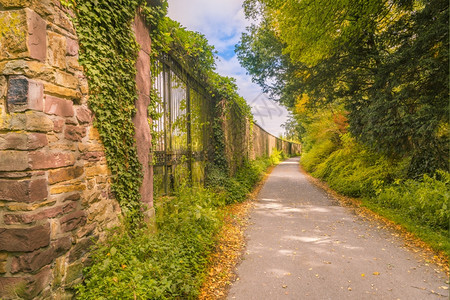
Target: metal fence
[{"x": 183, "y": 132}]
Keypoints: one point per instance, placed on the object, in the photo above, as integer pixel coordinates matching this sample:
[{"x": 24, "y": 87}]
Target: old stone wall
[
  {"x": 263, "y": 144},
  {"x": 55, "y": 196}
]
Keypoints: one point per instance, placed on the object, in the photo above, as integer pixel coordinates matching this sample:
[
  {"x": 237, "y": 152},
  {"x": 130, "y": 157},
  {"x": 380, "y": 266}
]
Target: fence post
[{"x": 189, "y": 137}]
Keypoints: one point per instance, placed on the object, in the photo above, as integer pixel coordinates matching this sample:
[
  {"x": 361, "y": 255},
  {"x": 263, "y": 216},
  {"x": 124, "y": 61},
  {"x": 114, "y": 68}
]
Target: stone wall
[
  {"x": 55, "y": 196},
  {"x": 263, "y": 144}
]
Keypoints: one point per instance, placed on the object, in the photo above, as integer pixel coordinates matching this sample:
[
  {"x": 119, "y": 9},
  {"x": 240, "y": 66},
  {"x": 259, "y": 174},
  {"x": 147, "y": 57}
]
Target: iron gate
[{"x": 183, "y": 129}]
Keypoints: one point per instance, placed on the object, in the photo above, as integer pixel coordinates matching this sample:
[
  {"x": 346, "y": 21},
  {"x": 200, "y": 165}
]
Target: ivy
[{"x": 108, "y": 53}]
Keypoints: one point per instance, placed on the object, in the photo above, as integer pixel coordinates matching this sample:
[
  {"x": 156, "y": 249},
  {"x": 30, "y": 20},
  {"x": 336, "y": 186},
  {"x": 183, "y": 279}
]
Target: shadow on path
[{"x": 302, "y": 245}]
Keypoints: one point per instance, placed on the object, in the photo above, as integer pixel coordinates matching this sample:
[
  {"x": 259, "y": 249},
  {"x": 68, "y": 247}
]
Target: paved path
[{"x": 302, "y": 245}]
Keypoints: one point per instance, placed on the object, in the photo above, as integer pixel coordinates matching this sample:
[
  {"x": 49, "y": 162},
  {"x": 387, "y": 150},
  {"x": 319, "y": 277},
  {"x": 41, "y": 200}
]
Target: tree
[{"x": 385, "y": 61}]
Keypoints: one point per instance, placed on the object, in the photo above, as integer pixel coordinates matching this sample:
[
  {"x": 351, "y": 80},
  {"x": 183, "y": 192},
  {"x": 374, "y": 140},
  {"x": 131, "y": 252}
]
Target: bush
[
  {"x": 171, "y": 263},
  {"x": 353, "y": 170},
  {"x": 349, "y": 168},
  {"x": 424, "y": 201},
  {"x": 166, "y": 265}
]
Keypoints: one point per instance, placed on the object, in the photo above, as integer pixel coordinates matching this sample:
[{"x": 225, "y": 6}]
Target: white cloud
[{"x": 222, "y": 22}]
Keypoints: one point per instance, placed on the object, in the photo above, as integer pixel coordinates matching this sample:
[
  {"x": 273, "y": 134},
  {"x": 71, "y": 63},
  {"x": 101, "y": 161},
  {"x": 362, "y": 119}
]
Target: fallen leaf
[
  {"x": 376, "y": 273},
  {"x": 284, "y": 286},
  {"x": 362, "y": 275}
]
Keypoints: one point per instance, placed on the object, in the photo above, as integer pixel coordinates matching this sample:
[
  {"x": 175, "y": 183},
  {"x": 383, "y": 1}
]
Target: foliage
[
  {"x": 237, "y": 187},
  {"x": 425, "y": 201},
  {"x": 108, "y": 52},
  {"x": 385, "y": 62},
  {"x": 171, "y": 263},
  {"x": 421, "y": 205},
  {"x": 165, "y": 265}
]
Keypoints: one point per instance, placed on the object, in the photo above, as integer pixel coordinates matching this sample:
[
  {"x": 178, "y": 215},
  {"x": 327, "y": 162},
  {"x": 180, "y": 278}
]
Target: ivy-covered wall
[{"x": 59, "y": 188}]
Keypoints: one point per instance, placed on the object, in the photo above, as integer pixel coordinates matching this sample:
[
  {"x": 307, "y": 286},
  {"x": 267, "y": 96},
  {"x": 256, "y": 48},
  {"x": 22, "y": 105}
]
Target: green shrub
[
  {"x": 166, "y": 265},
  {"x": 425, "y": 201},
  {"x": 353, "y": 170},
  {"x": 350, "y": 168},
  {"x": 171, "y": 263},
  {"x": 317, "y": 154}
]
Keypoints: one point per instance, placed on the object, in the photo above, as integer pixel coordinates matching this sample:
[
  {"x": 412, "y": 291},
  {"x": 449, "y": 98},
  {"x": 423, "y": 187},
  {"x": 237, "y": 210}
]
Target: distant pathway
[{"x": 302, "y": 245}]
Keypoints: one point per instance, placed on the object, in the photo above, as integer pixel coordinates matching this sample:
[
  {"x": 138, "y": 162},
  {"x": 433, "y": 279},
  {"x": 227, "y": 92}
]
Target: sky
[{"x": 222, "y": 22}]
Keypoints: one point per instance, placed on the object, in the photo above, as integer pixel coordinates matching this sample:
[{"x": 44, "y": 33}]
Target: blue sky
[{"x": 222, "y": 22}]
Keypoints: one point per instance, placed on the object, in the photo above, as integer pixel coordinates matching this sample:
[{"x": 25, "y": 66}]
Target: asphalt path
[{"x": 302, "y": 245}]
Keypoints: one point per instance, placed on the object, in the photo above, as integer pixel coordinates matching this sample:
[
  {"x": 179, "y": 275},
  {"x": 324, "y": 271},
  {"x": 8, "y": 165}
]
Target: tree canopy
[{"x": 384, "y": 62}]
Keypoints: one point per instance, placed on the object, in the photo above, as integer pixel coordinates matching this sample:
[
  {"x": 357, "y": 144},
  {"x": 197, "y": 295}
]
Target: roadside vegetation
[
  {"x": 367, "y": 85},
  {"x": 169, "y": 260},
  {"x": 421, "y": 204}
]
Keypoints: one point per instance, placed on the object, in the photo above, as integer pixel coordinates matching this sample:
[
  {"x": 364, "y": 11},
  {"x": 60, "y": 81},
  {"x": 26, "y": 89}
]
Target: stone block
[
  {"x": 74, "y": 274},
  {"x": 24, "y": 94},
  {"x": 72, "y": 47},
  {"x": 81, "y": 248},
  {"x": 29, "y": 207},
  {"x": 66, "y": 80},
  {"x": 84, "y": 115},
  {"x": 2, "y": 267},
  {"x": 28, "y": 218},
  {"x": 38, "y": 121},
  {"x": 94, "y": 134},
  {"x": 10, "y": 285},
  {"x": 58, "y": 106},
  {"x": 58, "y": 125},
  {"x": 37, "y": 36},
  {"x": 3, "y": 86},
  {"x": 36, "y": 141},
  {"x": 93, "y": 156},
  {"x": 57, "y": 50},
  {"x": 96, "y": 170},
  {"x": 13, "y": 141},
  {"x": 72, "y": 187},
  {"x": 45, "y": 160},
  {"x": 36, "y": 284},
  {"x": 21, "y": 175},
  {"x": 73, "y": 220},
  {"x": 31, "y": 262},
  {"x": 90, "y": 147},
  {"x": 73, "y": 64},
  {"x": 13, "y": 160},
  {"x": 74, "y": 133},
  {"x": 13, "y": 34},
  {"x": 24, "y": 239},
  {"x": 26, "y": 191},
  {"x": 14, "y": 3},
  {"x": 64, "y": 174},
  {"x": 73, "y": 197},
  {"x": 22, "y": 141},
  {"x": 17, "y": 121},
  {"x": 62, "y": 92}
]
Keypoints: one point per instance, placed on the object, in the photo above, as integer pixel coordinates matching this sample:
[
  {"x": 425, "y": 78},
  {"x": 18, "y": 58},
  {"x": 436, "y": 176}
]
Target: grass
[
  {"x": 171, "y": 261},
  {"x": 420, "y": 206}
]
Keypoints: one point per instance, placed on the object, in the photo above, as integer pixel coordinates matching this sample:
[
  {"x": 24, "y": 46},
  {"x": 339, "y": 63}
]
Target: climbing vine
[{"x": 108, "y": 52}]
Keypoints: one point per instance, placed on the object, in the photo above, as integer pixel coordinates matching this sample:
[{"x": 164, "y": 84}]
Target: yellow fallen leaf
[
  {"x": 284, "y": 286},
  {"x": 362, "y": 275},
  {"x": 376, "y": 273}
]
